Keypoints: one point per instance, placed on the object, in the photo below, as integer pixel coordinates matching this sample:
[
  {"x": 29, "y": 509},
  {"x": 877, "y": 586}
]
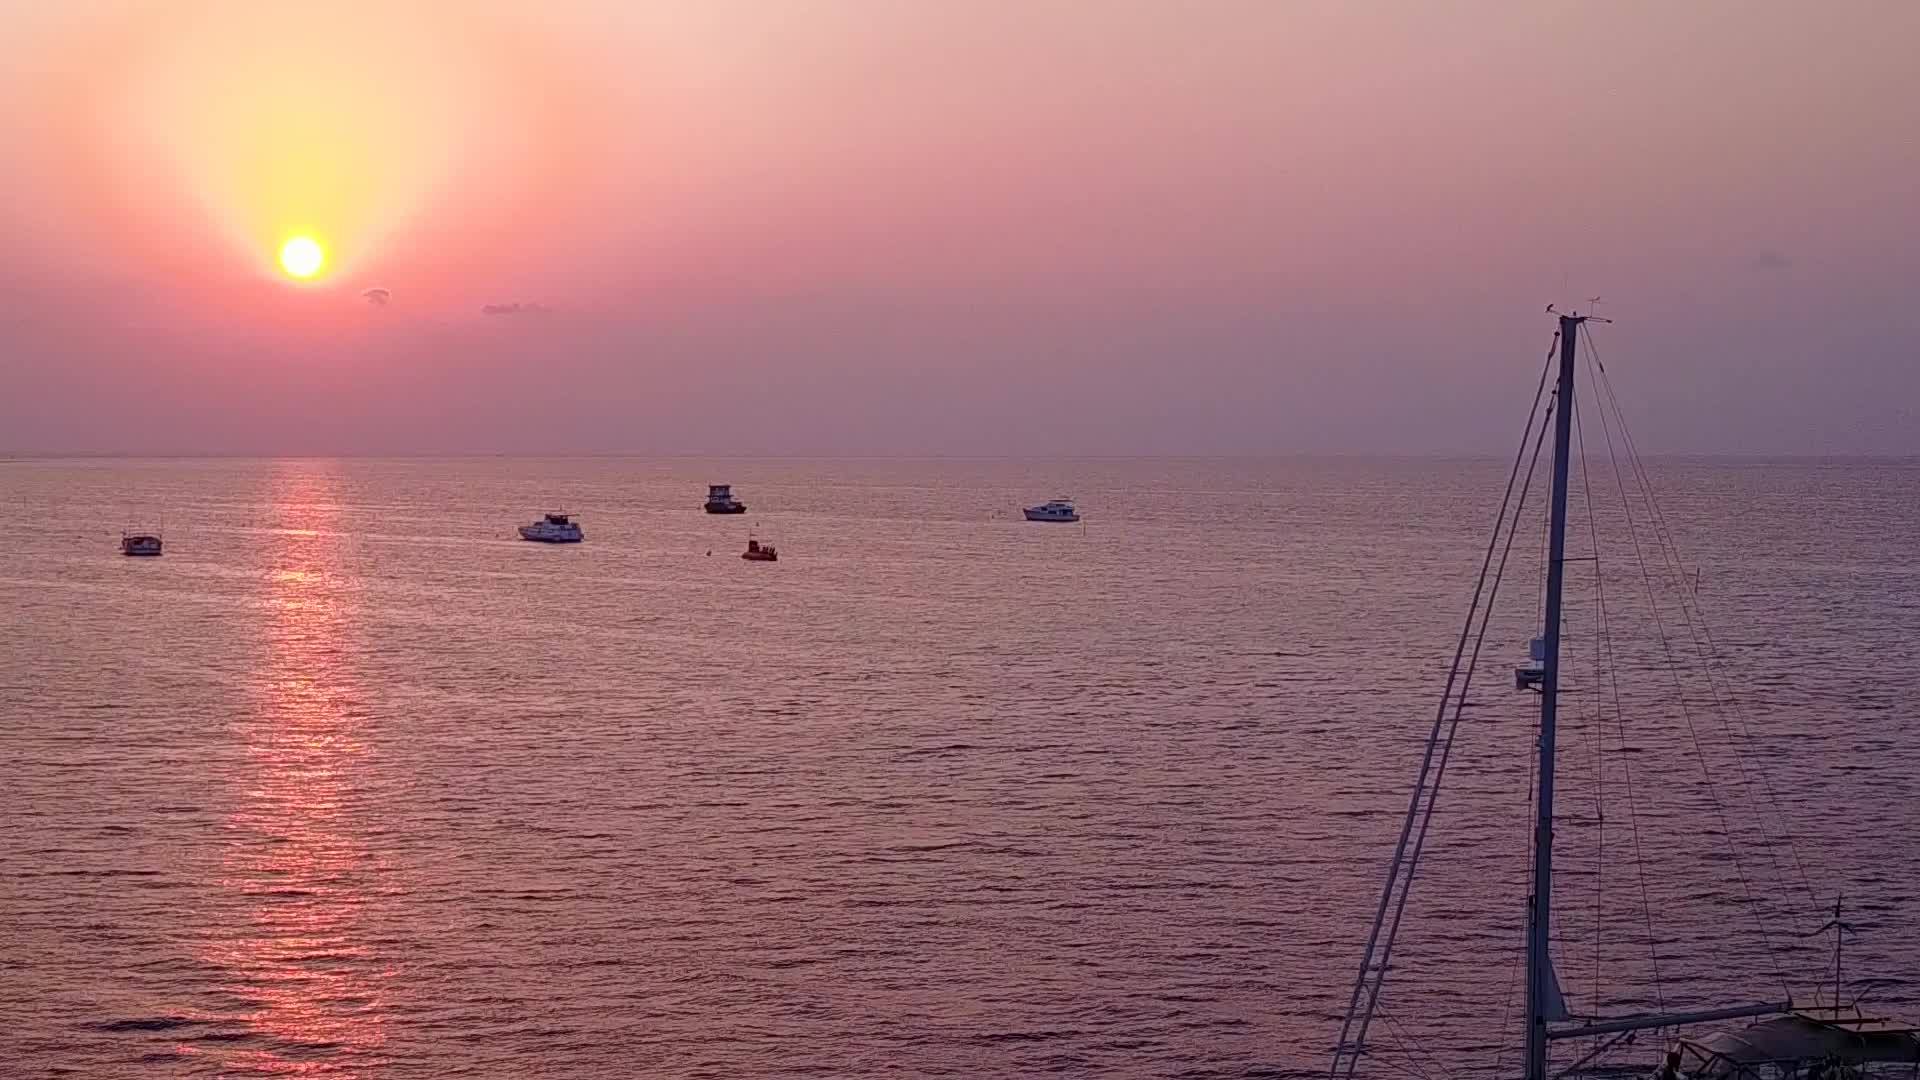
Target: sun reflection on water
[{"x": 301, "y": 968}]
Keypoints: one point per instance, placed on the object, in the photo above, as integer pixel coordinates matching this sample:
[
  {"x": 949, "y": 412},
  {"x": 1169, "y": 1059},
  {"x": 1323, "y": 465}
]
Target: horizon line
[{"x": 1356, "y": 455}]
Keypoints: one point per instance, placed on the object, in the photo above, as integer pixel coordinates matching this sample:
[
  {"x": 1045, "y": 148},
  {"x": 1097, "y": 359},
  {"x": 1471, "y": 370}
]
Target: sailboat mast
[{"x": 1540, "y": 904}]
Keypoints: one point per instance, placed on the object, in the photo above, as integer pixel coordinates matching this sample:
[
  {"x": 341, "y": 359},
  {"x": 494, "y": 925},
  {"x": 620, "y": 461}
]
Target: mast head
[{"x": 1575, "y": 318}]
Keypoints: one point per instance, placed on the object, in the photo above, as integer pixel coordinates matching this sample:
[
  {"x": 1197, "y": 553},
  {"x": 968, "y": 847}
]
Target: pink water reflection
[{"x": 311, "y": 987}]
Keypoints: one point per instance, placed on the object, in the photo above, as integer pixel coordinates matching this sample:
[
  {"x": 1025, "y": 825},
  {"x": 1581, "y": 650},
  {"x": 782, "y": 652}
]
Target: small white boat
[
  {"x": 553, "y": 529},
  {"x": 1053, "y": 510},
  {"x": 720, "y": 500},
  {"x": 140, "y": 544}
]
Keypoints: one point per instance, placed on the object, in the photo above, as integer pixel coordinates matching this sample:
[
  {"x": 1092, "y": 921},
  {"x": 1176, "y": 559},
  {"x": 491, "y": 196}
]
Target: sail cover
[{"x": 1800, "y": 1038}]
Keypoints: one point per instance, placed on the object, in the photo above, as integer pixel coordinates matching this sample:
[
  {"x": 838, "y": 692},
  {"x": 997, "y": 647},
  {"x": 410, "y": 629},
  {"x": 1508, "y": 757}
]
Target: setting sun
[{"x": 302, "y": 257}]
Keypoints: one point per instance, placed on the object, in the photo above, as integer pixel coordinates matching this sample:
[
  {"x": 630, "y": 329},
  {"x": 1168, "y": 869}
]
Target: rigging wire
[
  {"x": 1513, "y": 981},
  {"x": 1406, "y": 1068},
  {"x": 1686, "y": 715},
  {"x": 1708, "y": 651},
  {"x": 1620, "y": 724},
  {"x": 1513, "y": 965},
  {"x": 1597, "y": 745},
  {"x": 1408, "y": 1045},
  {"x": 1453, "y": 727},
  {"x": 1721, "y": 702},
  {"x": 1546, "y": 522},
  {"x": 1599, "y": 750},
  {"x": 1350, "y": 1052},
  {"x": 1704, "y": 644}
]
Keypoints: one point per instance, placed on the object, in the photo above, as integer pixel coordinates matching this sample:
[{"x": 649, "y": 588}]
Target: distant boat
[
  {"x": 1053, "y": 510},
  {"x": 553, "y": 529},
  {"x": 720, "y": 500},
  {"x": 139, "y": 543},
  {"x": 759, "y": 552}
]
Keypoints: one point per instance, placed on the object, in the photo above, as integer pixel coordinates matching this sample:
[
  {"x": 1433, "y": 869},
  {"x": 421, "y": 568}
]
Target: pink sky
[{"x": 1003, "y": 226}]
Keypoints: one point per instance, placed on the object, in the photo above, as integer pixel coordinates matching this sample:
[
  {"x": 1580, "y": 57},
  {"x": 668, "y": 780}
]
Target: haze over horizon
[{"x": 839, "y": 227}]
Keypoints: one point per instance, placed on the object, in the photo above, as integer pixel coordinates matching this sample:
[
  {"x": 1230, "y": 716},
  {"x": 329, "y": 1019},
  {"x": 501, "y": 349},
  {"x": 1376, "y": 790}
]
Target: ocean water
[{"x": 353, "y": 783}]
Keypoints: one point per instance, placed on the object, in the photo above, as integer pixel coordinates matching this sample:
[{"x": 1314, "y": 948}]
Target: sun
[{"x": 302, "y": 256}]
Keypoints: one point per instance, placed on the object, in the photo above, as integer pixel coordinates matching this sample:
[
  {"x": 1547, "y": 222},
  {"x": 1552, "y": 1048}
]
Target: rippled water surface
[{"x": 352, "y": 783}]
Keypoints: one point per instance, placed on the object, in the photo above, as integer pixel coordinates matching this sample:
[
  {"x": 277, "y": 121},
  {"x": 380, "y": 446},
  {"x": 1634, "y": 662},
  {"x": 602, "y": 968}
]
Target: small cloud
[
  {"x": 1770, "y": 260},
  {"x": 513, "y": 309},
  {"x": 377, "y": 297}
]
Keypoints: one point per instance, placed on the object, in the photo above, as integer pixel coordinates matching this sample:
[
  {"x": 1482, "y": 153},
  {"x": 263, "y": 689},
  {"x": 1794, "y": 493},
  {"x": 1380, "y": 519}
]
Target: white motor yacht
[
  {"x": 1053, "y": 510},
  {"x": 553, "y": 529}
]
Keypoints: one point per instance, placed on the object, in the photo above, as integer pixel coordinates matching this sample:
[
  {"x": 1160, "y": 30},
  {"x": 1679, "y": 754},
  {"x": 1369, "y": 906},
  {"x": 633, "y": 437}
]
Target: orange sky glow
[{"x": 221, "y": 130}]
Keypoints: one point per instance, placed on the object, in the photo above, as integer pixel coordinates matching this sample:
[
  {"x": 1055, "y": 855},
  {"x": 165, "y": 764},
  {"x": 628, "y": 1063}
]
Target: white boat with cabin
[
  {"x": 1060, "y": 510},
  {"x": 553, "y": 529}
]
